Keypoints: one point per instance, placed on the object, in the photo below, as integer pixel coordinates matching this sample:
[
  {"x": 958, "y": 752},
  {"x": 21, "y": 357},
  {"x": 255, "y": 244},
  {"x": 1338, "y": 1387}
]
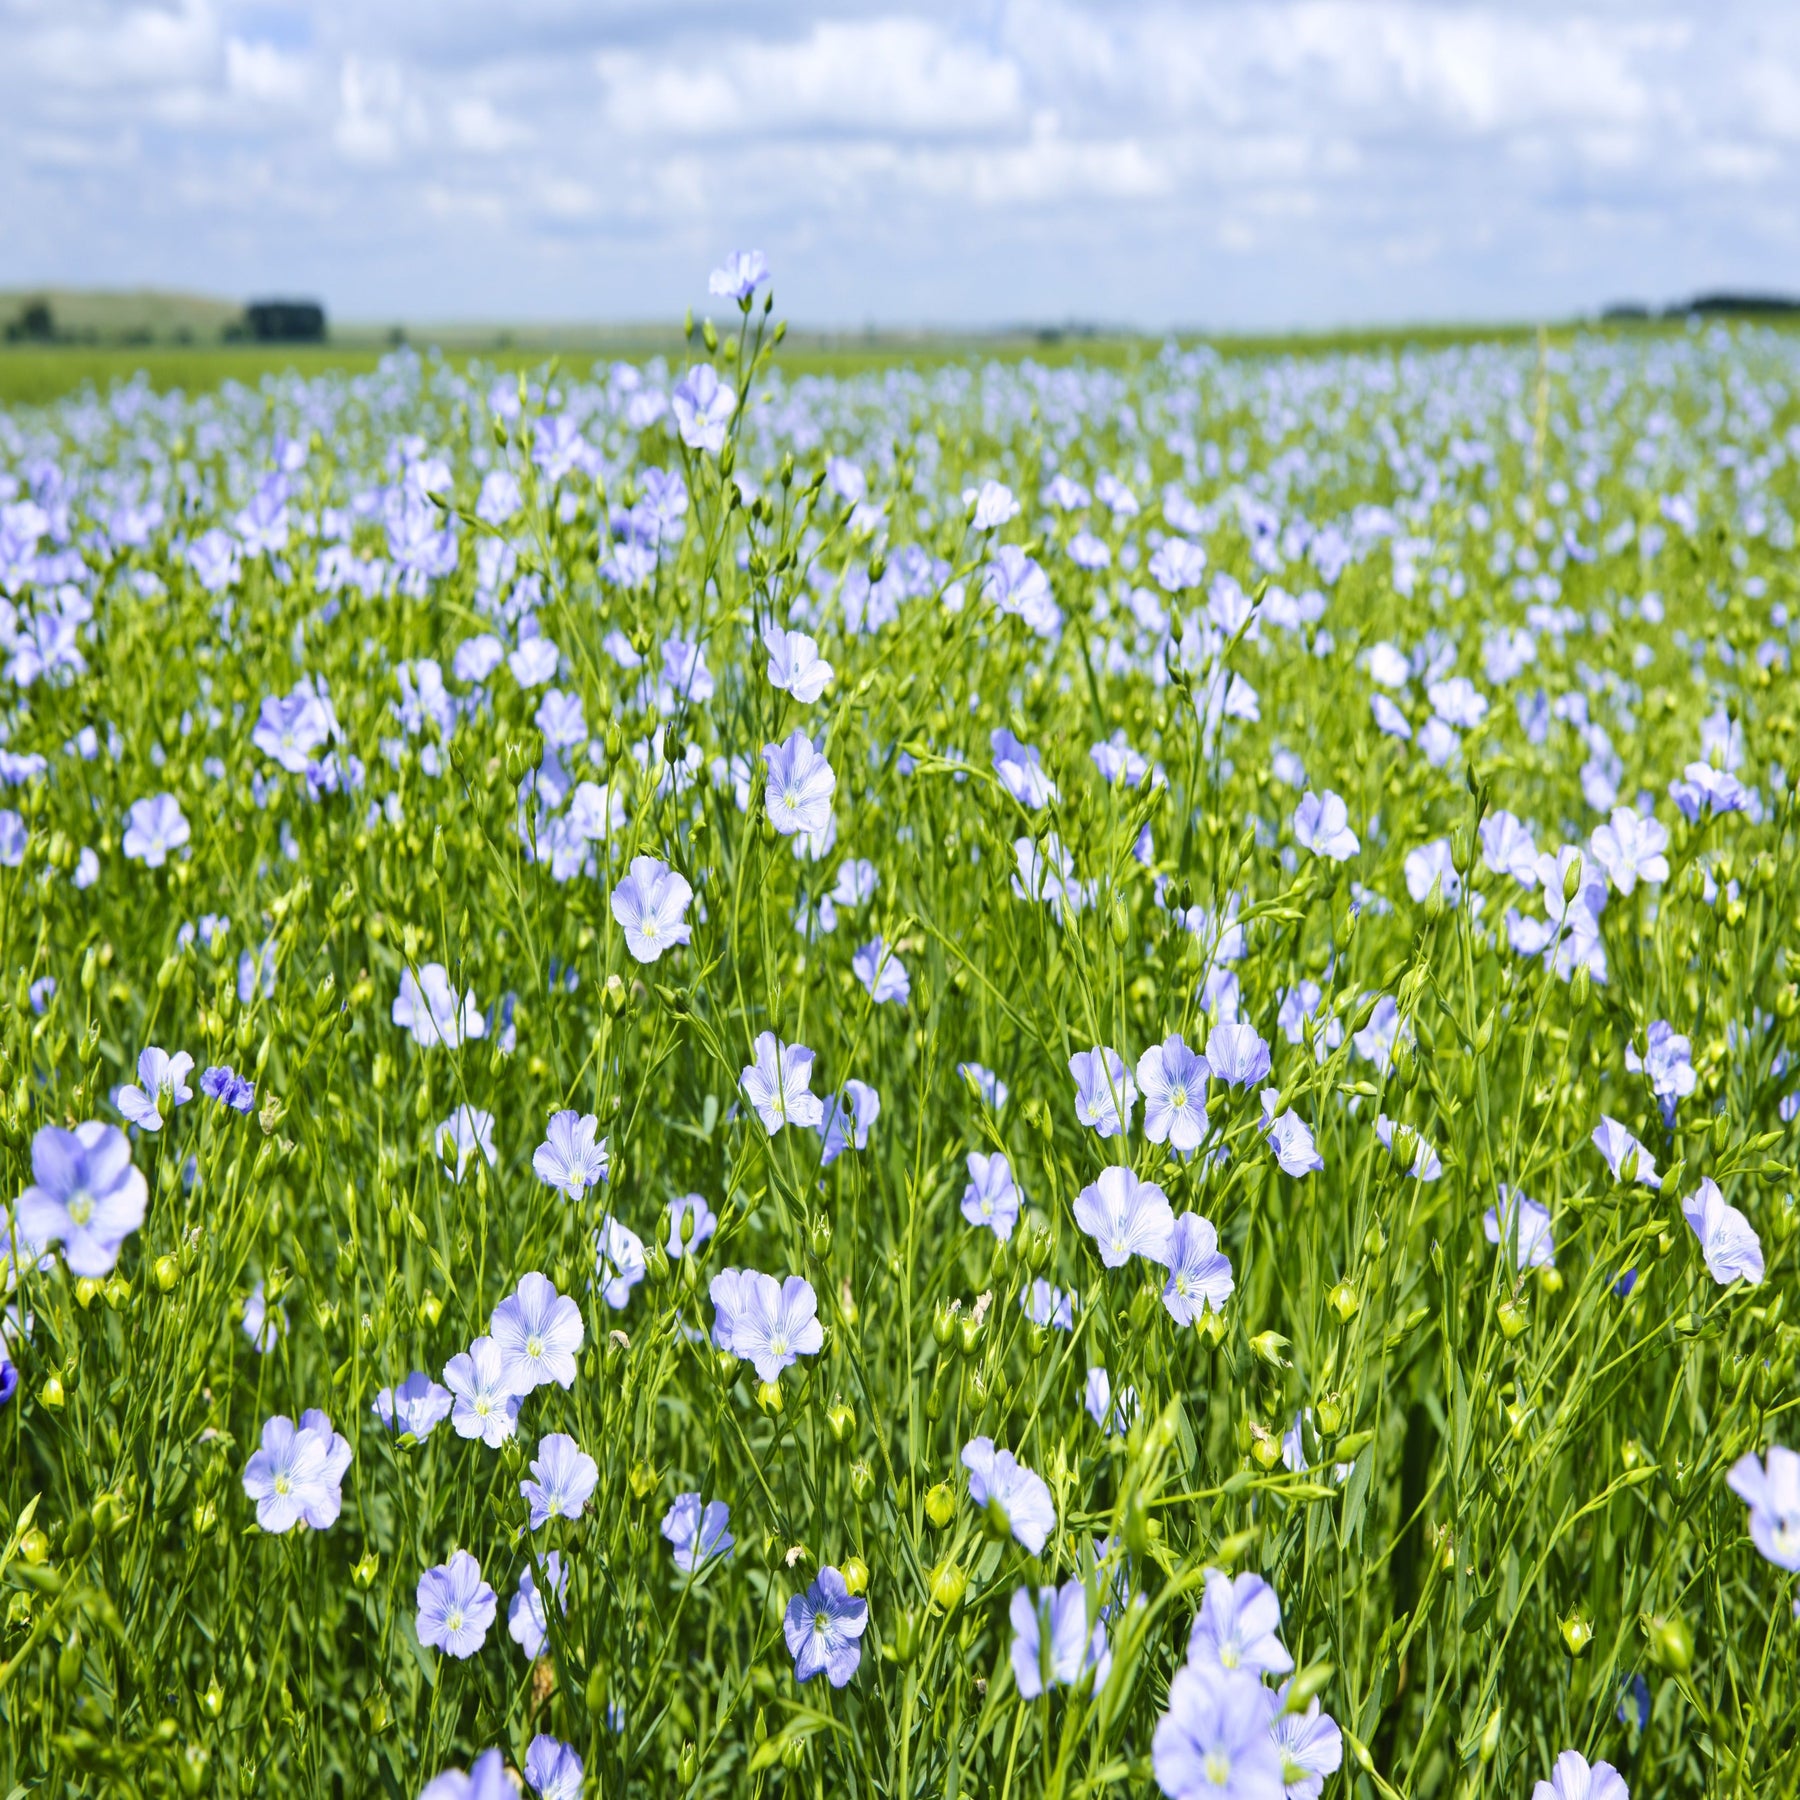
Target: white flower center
[
  {"x": 283, "y": 1486},
  {"x": 534, "y": 1347},
  {"x": 81, "y": 1206},
  {"x": 1228, "y": 1656},
  {"x": 778, "y": 1344},
  {"x": 1218, "y": 1768},
  {"x": 1178, "y": 1099},
  {"x": 453, "y": 1619}
]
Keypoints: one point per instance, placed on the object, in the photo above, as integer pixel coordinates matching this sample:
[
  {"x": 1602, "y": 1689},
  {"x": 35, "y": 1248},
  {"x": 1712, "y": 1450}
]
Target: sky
[{"x": 1265, "y": 166}]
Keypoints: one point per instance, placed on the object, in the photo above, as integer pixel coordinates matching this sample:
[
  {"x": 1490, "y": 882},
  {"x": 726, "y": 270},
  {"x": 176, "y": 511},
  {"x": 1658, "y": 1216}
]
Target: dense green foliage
[{"x": 1504, "y": 1493}]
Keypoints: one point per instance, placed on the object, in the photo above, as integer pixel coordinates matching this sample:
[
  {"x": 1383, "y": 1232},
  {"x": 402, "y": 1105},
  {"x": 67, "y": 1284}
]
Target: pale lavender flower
[
  {"x": 296, "y": 1476},
  {"x": 703, "y": 405},
  {"x": 997, "y": 1479},
  {"x": 1236, "y": 1627},
  {"x": 1728, "y": 1240},
  {"x": 1431, "y": 866},
  {"x": 538, "y": 1332},
  {"x": 1236, "y": 1054},
  {"x": 570, "y": 1159},
  {"x": 1113, "y": 1418},
  {"x": 1668, "y": 1060},
  {"x": 485, "y": 1405},
  {"x": 1322, "y": 825},
  {"x": 1125, "y": 1217},
  {"x": 161, "y": 1077},
  {"x": 467, "y": 1130},
  {"x": 456, "y": 1606},
  {"x": 697, "y": 1532},
  {"x": 766, "y": 1322},
  {"x": 845, "y": 1120},
  {"x": 795, "y": 665},
  {"x": 879, "y": 968},
  {"x": 1572, "y": 1779},
  {"x": 1772, "y": 1492},
  {"x": 417, "y": 1406},
  {"x": 1053, "y": 1644},
  {"x": 649, "y": 904},
  {"x": 1173, "y": 1081},
  {"x": 824, "y": 1628},
  {"x": 487, "y": 1779},
  {"x": 563, "y": 1479},
  {"x": 1200, "y": 1278},
  {"x": 85, "y": 1195},
  {"x": 552, "y": 1769},
  {"x": 1425, "y": 1164},
  {"x": 1311, "y": 1747},
  {"x": 991, "y": 1198},
  {"x": 800, "y": 786},
  {"x": 742, "y": 272},
  {"x": 1021, "y": 771},
  {"x": 1214, "y": 1741},
  {"x": 992, "y": 503},
  {"x": 1630, "y": 849},
  {"x": 619, "y": 1262},
  {"x": 1523, "y": 1227},
  {"x": 527, "y": 1617},
  {"x": 1104, "y": 1090},
  {"x": 1043, "y": 1304},
  {"x": 1706, "y": 789},
  {"x": 1619, "y": 1147},
  {"x": 700, "y": 1222},
  {"x": 1507, "y": 848},
  {"x": 427, "y": 1007},
  {"x": 1290, "y": 1138},
  {"x": 155, "y": 827},
  {"x": 778, "y": 1084}
]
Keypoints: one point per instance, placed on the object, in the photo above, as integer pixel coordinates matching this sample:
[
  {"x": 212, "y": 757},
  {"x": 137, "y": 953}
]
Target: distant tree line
[{"x": 262, "y": 321}]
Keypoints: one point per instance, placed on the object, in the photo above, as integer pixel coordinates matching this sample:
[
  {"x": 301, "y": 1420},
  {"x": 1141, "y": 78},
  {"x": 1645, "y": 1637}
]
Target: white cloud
[
  {"x": 863, "y": 78},
  {"x": 1237, "y": 162}
]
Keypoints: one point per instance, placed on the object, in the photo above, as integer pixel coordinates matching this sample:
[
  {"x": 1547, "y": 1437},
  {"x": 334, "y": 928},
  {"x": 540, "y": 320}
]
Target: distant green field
[
  {"x": 32, "y": 375},
  {"x": 35, "y": 374}
]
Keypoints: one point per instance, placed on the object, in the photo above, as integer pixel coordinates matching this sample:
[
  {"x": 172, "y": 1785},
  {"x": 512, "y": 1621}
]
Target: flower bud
[
  {"x": 1671, "y": 1642},
  {"x": 1307, "y": 1686},
  {"x": 1344, "y": 1301},
  {"x": 940, "y": 1504},
  {"x": 1490, "y": 1736},
  {"x": 87, "y": 1290},
  {"x": 862, "y": 1482},
  {"x": 34, "y": 1547},
  {"x": 1580, "y": 987},
  {"x": 51, "y": 1393},
  {"x": 1577, "y": 1634},
  {"x": 167, "y": 1271},
  {"x": 191, "y": 1768},
  {"x": 856, "y": 1575},
  {"x": 909, "y": 1635},
  {"x": 840, "y": 1418},
  {"x": 69, "y": 1660},
  {"x": 1514, "y": 1317},
  {"x": 943, "y": 1322},
  {"x": 687, "y": 1765},
  {"x": 768, "y": 1397},
  {"x": 820, "y": 1237},
  {"x": 1269, "y": 1345},
  {"x": 366, "y": 1570},
  {"x": 948, "y": 1584},
  {"x": 431, "y": 1308}
]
